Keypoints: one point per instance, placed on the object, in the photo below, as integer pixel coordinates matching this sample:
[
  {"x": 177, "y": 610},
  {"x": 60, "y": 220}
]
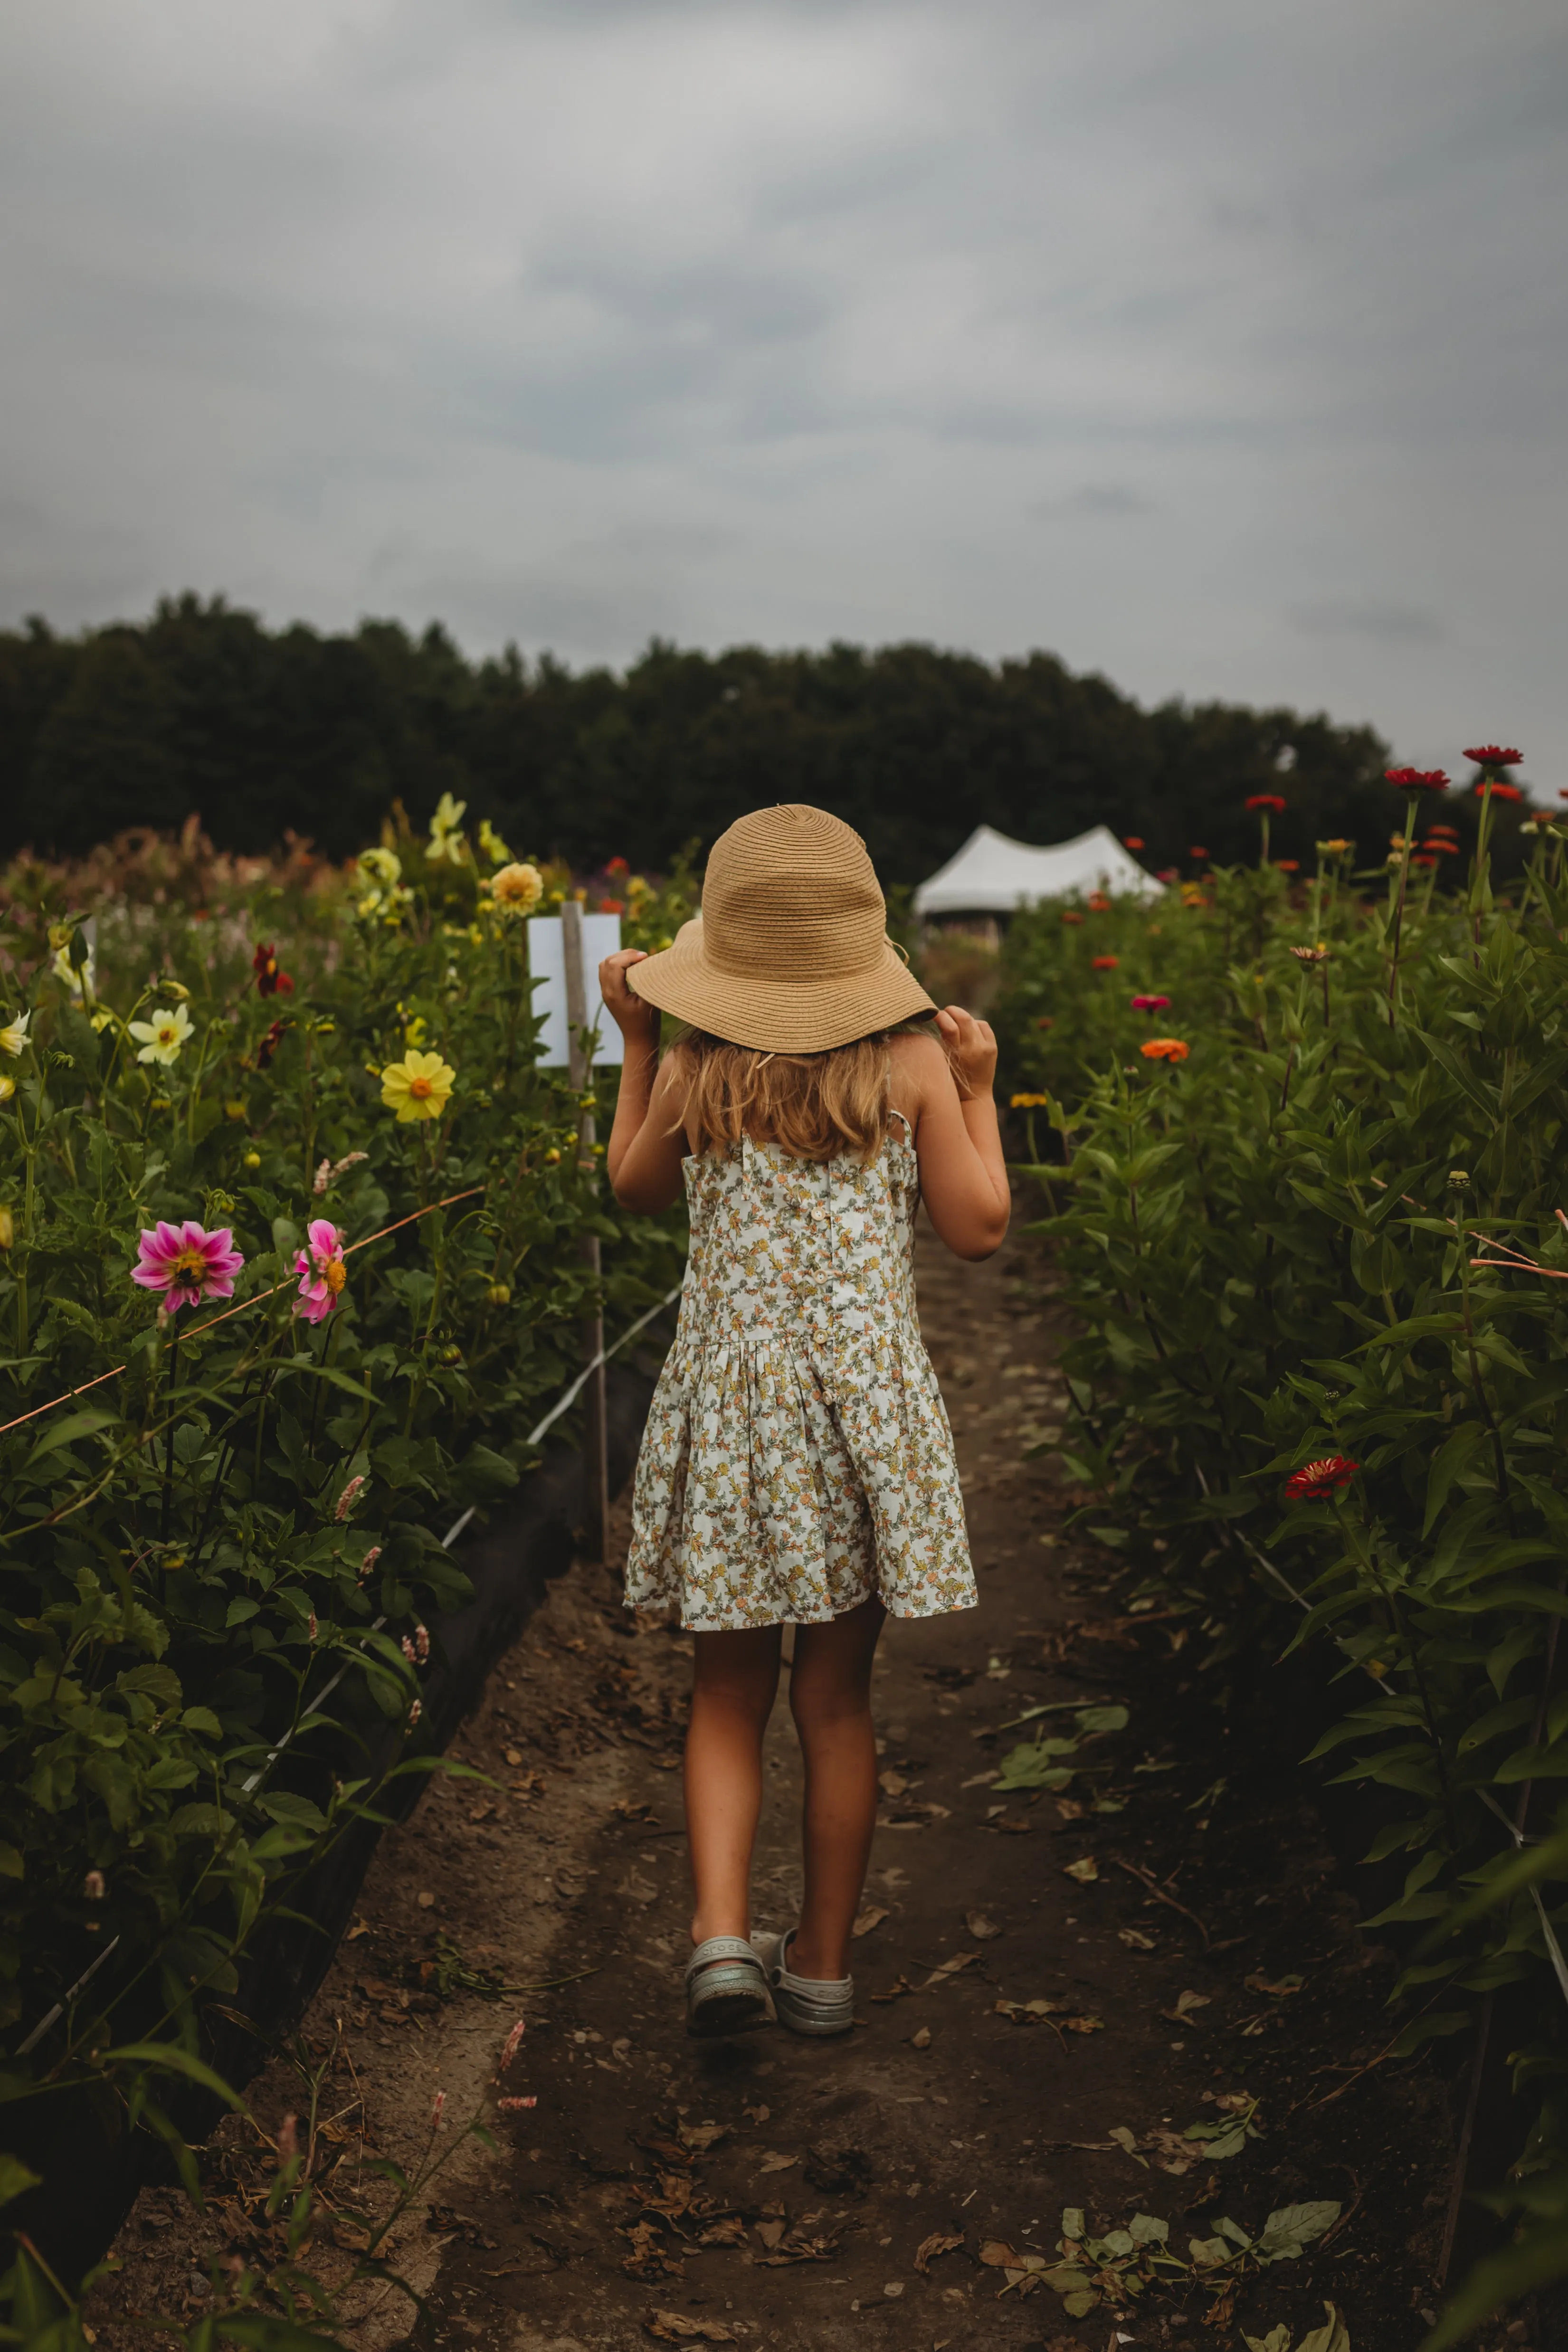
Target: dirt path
[{"x": 1175, "y": 1907}]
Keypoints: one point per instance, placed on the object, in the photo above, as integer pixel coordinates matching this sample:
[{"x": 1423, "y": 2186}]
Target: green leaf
[
  {"x": 16, "y": 2178},
  {"x": 168, "y": 2058}
]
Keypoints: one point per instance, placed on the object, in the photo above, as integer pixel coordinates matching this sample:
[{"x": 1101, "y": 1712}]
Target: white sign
[{"x": 547, "y": 969}]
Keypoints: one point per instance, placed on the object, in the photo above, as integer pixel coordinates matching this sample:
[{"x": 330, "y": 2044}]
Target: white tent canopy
[{"x": 992, "y": 875}]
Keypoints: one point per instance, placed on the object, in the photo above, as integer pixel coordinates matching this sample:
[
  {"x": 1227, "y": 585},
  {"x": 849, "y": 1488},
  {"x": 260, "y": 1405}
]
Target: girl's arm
[
  {"x": 964, "y": 1176},
  {"x": 645, "y": 1147}
]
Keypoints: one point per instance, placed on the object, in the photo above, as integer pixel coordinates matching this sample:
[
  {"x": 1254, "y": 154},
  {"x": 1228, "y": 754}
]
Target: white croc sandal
[
  {"x": 805, "y": 2004},
  {"x": 726, "y": 1988}
]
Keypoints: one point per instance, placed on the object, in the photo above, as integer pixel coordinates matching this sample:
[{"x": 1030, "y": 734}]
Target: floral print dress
[{"x": 797, "y": 1456}]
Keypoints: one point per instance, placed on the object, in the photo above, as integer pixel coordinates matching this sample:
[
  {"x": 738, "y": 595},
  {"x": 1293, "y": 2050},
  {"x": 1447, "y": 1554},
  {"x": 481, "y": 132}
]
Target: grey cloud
[
  {"x": 582, "y": 319},
  {"x": 1399, "y": 624}
]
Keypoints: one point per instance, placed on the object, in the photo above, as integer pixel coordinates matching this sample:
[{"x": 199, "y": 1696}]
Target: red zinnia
[
  {"x": 1169, "y": 874},
  {"x": 1150, "y": 1003},
  {"x": 270, "y": 980},
  {"x": 1098, "y": 902},
  {"x": 1045, "y": 1021},
  {"x": 1445, "y": 849},
  {"x": 617, "y": 866},
  {"x": 1494, "y": 755},
  {"x": 1132, "y": 841},
  {"x": 1417, "y": 779},
  {"x": 1106, "y": 963},
  {"x": 612, "y": 906},
  {"x": 1203, "y": 853},
  {"x": 1072, "y": 917},
  {"x": 1421, "y": 858},
  {"x": 1318, "y": 1480},
  {"x": 1264, "y": 801},
  {"x": 1504, "y": 791},
  {"x": 1289, "y": 864}
]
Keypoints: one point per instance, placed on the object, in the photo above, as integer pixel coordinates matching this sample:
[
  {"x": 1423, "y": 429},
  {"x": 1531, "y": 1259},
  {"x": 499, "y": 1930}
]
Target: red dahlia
[
  {"x": 1319, "y": 1480},
  {"x": 270, "y": 980}
]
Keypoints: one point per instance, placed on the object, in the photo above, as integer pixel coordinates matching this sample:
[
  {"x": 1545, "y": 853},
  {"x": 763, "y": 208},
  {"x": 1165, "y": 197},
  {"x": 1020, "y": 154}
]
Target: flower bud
[
  {"x": 500, "y": 1293},
  {"x": 253, "y": 1159},
  {"x": 7, "y": 1229},
  {"x": 1458, "y": 1179}
]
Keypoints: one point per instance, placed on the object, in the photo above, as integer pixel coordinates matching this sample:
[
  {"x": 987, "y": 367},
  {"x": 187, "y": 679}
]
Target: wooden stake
[{"x": 596, "y": 1451}]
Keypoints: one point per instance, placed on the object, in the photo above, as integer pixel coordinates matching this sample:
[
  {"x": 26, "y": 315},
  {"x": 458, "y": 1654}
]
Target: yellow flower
[
  {"x": 1029, "y": 1102},
  {"x": 162, "y": 1036},
  {"x": 14, "y": 1037},
  {"x": 518, "y": 890},
  {"x": 383, "y": 866},
  {"x": 7, "y": 1088},
  {"x": 1335, "y": 848},
  {"x": 79, "y": 983},
  {"x": 492, "y": 845},
  {"x": 7, "y": 1229},
  {"x": 418, "y": 1086},
  {"x": 447, "y": 840}
]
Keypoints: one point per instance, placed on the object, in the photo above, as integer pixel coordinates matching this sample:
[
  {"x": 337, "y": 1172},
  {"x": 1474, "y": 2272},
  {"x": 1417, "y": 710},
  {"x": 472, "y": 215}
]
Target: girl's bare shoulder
[{"x": 919, "y": 1074}]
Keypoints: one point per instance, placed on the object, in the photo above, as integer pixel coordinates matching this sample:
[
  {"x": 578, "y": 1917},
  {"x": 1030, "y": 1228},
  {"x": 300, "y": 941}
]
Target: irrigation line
[{"x": 563, "y": 1404}]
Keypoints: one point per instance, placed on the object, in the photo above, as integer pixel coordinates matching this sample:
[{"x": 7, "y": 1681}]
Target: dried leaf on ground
[
  {"x": 930, "y": 2249},
  {"x": 674, "y": 2327},
  {"x": 670, "y": 2195},
  {"x": 896, "y": 1990},
  {"x": 1128, "y": 2140},
  {"x": 795, "y": 2246},
  {"x": 513, "y": 1756},
  {"x": 921, "y": 2039},
  {"x": 625, "y": 1811},
  {"x": 757, "y": 2114},
  {"x": 1135, "y": 1939},
  {"x": 999, "y": 2254},
  {"x": 1280, "y": 1987},
  {"x": 650, "y": 2258},
  {"x": 1186, "y": 2002},
  {"x": 984, "y": 1930},
  {"x": 772, "y": 2160},
  {"x": 1026, "y": 2012},
  {"x": 872, "y": 1917},
  {"x": 701, "y": 2138},
  {"x": 729, "y": 2230},
  {"x": 1084, "y": 2024},
  {"x": 770, "y": 2233},
  {"x": 949, "y": 1967},
  {"x": 1085, "y": 1870}
]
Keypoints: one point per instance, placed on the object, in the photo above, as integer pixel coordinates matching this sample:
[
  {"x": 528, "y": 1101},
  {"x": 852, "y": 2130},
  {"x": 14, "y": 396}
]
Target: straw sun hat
[{"x": 791, "y": 952}]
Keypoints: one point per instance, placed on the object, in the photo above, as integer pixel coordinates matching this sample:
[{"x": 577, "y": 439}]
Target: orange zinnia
[
  {"x": 1105, "y": 963},
  {"x": 1164, "y": 1049}
]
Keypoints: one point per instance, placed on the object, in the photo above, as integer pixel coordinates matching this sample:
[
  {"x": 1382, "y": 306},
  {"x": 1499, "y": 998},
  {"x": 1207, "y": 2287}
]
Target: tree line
[{"x": 201, "y": 709}]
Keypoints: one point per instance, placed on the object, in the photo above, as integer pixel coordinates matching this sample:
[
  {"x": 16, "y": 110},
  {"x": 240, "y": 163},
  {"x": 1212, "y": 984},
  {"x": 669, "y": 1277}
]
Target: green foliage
[
  {"x": 1332, "y": 1234},
  {"x": 215, "y": 1558},
  {"x": 200, "y": 710}
]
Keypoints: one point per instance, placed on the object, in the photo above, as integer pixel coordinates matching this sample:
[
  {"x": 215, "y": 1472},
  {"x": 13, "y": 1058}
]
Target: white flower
[
  {"x": 163, "y": 1036},
  {"x": 446, "y": 838},
  {"x": 14, "y": 1037},
  {"x": 383, "y": 866}
]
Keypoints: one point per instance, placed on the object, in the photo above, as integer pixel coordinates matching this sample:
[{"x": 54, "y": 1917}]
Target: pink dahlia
[
  {"x": 187, "y": 1264},
  {"x": 321, "y": 1272}
]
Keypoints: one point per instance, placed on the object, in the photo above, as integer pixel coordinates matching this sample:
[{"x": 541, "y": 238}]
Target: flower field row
[
  {"x": 288, "y": 1209},
  {"x": 1310, "y": 1228}
]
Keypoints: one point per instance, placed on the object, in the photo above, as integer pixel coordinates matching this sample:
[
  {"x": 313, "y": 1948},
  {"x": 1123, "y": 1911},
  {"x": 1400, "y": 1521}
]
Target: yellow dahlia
[{"x": 419, "y": 1086}]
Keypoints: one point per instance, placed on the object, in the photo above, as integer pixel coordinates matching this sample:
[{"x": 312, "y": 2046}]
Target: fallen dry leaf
[
  {"x": 700, "y": 2137},
  {"x": 770, "y": 2233},
  {"x": 1068, "y": 1808},
  {"x": 1084, "y": 2024},
  {"x": 896, "y": 1990},
  {"x": 425, "y": 1900},
  {"x": 1085, "y": 1870},
  {"x": 893, "y": 1783},
  {"x": 999, "y": 2256},
  {"x": 872, "y": 1917},
  {"x": 513, "y": 1756},
  {"x": 1023, "y": 2012},
  {"x": 758, "y": 2115},
  {"x": 649, "y": 2260},
  {"x": 921, "y": 2040},
  {"x": 674, "y": 2327},
  {"x": 1135, "y": 1939},
  {"x": 730, "y": 2230},
  {"x": 794, "y": 2246},
  {"x": 948, "y": 1968},
  {"x": 983, "y": 1929},
  {"x": 772, "y": 2160},
  {"x": 1186, "y": 2002},
  {"x": 982, "y": 1779},
  {"x": 1281, "y": 1987},
  {"x": 930, "y": 2249}
]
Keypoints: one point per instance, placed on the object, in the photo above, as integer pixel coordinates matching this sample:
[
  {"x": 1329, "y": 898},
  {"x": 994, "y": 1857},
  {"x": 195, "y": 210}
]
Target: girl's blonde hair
[{"x": 813, "y": 1106}]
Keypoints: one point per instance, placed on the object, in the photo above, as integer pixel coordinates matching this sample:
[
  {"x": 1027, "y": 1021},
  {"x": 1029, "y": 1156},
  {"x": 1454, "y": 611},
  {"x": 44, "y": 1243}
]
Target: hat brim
[{"x": 777, "y": 1016}]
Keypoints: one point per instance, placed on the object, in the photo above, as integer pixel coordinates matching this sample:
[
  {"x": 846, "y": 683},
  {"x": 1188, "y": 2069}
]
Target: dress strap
[{"x": 899, "y": 1115}]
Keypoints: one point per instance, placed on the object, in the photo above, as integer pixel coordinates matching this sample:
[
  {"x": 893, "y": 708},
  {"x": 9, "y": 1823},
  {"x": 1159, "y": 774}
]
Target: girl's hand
[
  {"x": 971, "y": 1050},
  {"x": 635, "y": 1018}
]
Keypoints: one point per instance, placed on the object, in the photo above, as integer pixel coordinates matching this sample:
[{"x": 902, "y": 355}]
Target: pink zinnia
[
  {"x": 321, "y": 1272},
  {"x": 1150, "y": 1003},
  {"x": 187, "y": 1264}
]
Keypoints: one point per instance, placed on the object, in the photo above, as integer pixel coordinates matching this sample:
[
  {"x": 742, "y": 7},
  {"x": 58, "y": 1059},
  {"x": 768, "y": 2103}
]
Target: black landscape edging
[{"x": 92, "y": 2167}]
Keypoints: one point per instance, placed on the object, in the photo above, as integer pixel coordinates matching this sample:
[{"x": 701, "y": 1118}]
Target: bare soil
[{"x": 770, "y": 2190}]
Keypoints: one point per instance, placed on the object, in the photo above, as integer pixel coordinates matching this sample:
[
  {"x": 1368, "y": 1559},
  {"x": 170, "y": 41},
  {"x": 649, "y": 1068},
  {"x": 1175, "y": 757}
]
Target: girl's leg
[
  {"x": 830, "y": 1697},
  {"x": 733, "y": 1692}
]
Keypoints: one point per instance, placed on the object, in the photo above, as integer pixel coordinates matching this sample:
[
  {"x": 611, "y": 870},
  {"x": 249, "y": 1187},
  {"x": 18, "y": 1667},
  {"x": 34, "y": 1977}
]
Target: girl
[{"x": 797, "y": 1467}]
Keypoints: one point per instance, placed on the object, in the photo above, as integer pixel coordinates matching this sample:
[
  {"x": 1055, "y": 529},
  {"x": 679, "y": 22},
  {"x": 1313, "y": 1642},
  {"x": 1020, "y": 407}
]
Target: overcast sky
[{"x": 1216, "y": 344}]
